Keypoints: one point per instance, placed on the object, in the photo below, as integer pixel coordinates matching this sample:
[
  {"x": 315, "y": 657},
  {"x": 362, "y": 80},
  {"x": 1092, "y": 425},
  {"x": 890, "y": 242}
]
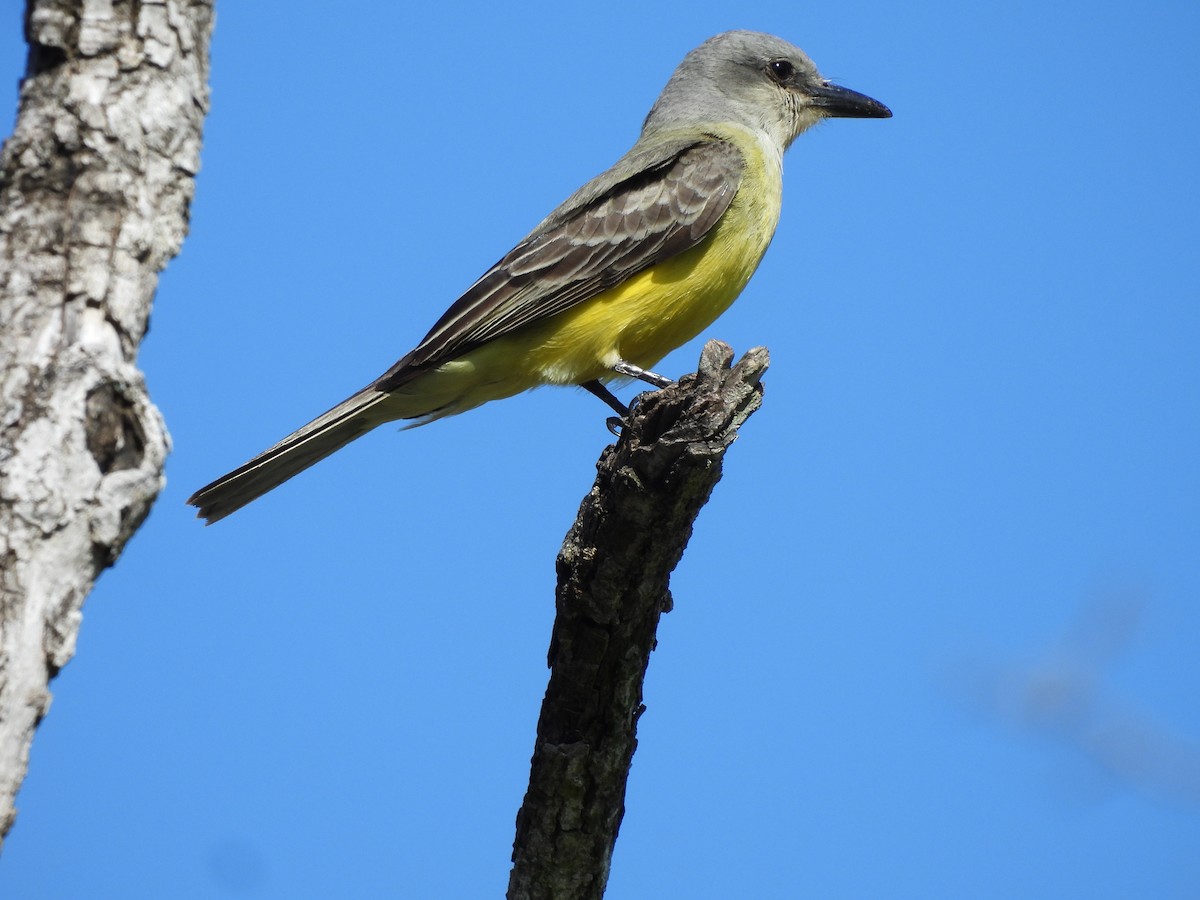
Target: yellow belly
[
  {"x": 640, "y": 320},
  {"x": 646, "y": 317}
]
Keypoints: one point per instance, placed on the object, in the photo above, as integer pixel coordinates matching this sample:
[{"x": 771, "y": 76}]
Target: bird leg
[
  {"x": 629, "y": 370},
  {"x": 626, "y": 368},
  {"x": 597, "y": 389}
]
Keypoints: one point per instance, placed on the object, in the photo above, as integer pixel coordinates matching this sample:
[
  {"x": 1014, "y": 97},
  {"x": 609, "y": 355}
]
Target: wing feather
[{"x": 666, "y": 207}]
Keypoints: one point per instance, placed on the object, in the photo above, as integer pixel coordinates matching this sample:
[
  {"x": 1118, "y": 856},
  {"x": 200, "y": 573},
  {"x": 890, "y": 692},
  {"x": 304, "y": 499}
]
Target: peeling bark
[
  {"x": 95, "y": 184},
  {"x": 613, "y": 574}
]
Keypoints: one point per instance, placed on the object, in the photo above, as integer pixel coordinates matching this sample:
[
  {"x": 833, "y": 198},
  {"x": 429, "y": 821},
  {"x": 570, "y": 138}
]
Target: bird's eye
[{"x": 781, "y": 70}]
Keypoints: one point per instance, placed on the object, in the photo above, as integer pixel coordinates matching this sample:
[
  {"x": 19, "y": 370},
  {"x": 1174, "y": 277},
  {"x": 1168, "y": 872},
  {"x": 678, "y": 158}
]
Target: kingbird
[{"x": 635, "y": 263}]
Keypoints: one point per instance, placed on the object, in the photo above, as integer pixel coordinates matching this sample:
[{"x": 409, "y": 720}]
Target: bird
[{"x": 635, "y": 263}]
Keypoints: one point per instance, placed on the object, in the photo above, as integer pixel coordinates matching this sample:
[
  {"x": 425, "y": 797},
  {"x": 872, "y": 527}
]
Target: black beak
[{"x": 843, "y": 103}]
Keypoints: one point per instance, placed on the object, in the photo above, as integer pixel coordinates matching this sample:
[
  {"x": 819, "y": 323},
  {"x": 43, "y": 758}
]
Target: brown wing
[{"x": 663, "y": 209}]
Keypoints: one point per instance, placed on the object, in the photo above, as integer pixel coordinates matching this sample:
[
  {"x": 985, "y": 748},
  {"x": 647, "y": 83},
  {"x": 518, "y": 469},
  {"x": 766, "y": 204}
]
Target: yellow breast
[{"x": 644, "y": 318}]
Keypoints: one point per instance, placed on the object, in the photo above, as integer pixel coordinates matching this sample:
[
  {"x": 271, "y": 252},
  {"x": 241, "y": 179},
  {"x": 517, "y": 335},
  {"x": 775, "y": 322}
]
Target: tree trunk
[
  {"x": 613, "y": 573},
  {"x": 94, "y": 191}
]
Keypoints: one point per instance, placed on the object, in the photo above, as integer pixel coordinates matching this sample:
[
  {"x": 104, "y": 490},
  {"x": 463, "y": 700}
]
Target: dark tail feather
[{"x": 322, "y": 436}]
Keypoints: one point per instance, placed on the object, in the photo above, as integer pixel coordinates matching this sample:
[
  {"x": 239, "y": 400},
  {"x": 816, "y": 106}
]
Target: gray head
[{"x": 755, "y": 80}]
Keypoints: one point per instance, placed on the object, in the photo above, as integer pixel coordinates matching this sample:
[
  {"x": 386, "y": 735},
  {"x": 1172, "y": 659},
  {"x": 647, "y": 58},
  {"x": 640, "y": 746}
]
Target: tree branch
[
  {"x": 95, "y": 184},
  {"x": 613, "y": 574}
]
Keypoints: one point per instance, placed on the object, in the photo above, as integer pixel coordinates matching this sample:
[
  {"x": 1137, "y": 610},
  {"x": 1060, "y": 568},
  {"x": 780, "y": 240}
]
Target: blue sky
[{"x": 936, "y": 633}]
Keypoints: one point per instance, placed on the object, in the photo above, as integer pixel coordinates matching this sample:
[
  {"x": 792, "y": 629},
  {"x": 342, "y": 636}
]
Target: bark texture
[
  {"x": 613, "y": 574},
  {"x": 94, "y": 191}
]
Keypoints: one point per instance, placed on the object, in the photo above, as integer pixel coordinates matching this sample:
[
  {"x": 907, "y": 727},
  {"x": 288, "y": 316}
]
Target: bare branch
[{"x": 613, "y": 574}]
